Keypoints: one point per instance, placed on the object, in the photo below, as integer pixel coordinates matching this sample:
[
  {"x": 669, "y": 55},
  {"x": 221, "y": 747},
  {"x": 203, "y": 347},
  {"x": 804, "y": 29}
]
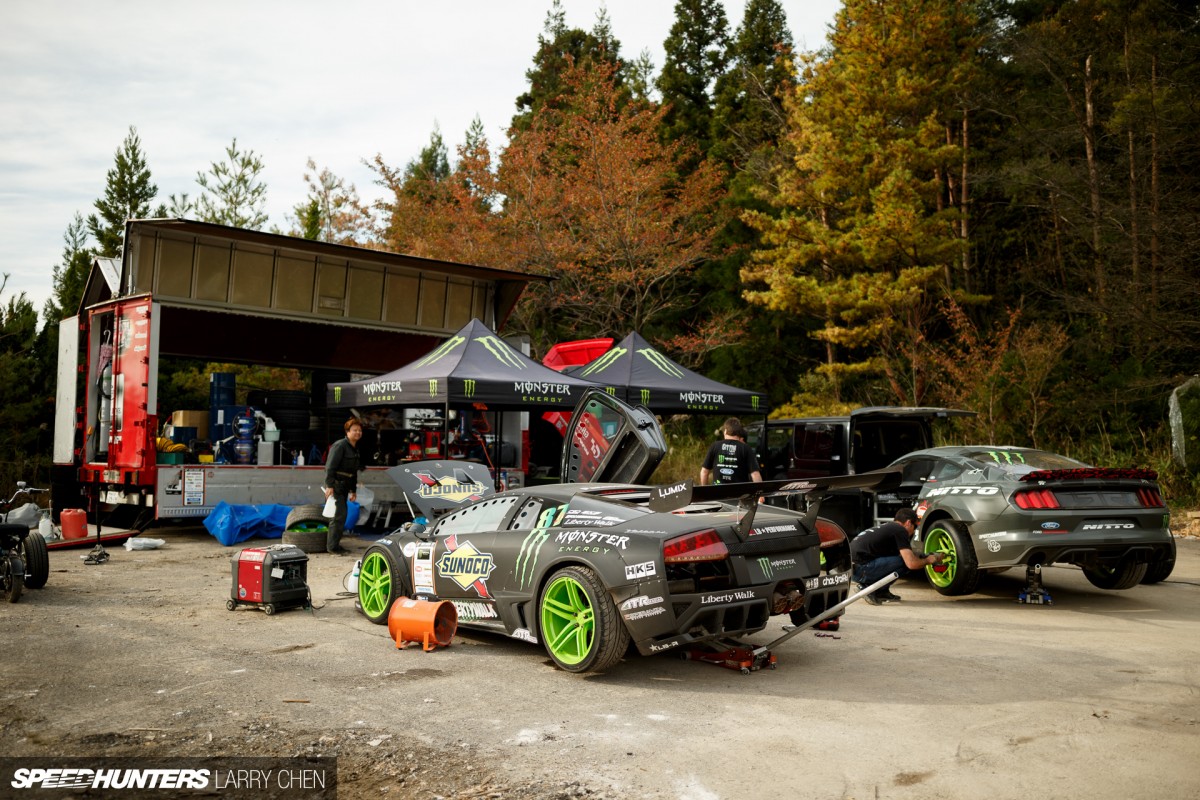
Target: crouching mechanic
[{"x": 884, "y": 549}]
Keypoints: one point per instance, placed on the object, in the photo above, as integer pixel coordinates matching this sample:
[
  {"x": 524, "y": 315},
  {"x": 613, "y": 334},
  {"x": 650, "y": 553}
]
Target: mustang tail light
[
  {"x": 1035, "y": 499},
  {"x": 830, "y": 532},
  {"x": 699, "y": 546},
  {"x": 1150, "y": 498}
]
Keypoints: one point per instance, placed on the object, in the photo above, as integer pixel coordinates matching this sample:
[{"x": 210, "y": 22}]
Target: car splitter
[{"x": 747, "y": 658}]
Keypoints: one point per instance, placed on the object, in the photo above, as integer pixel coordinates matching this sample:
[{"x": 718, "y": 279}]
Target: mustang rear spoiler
[{"x": 679, "y": 495}]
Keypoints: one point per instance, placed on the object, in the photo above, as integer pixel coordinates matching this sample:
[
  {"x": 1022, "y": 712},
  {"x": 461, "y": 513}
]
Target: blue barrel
[{"x": 221, "y": 389}]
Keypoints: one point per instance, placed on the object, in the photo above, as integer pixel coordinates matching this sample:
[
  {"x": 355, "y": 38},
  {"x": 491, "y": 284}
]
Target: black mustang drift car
[{"x": 585, "y": 568}]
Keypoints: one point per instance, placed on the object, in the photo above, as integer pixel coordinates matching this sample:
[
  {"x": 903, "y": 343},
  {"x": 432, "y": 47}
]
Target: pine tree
[
  {"x": 748, "y": 115},
  {"x": 71, "y": 275},
  {"x": 862, "y": 234},
  {"x": 696, "y": 58},
  {"x": 559, "y": 47},
  {"x": 127, "y": 195},
  {"x": 232, "y": 192},
  {"x": 332, "y": 211}
]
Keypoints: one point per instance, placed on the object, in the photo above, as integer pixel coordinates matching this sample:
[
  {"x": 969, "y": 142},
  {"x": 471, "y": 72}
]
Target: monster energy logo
[
  {"x": 754, "y": 402},
  {"x": 469, "y": 387},
  {"x": 765, "y": 565},
  {"x": 442, "y": 351},
  {"x": 664, "y": 365},
  {"x": 531, "y": 547},
  {"x": 604, "y": 362},
  {"x": 1005, "y": 457},
  {"x": 502, "y": 351},
  {"x": 337, "y": 394},
  {"x": 612, "y": 390},
  {"x": 433, "y": 387},
  {"x": 645, "y": 397}
]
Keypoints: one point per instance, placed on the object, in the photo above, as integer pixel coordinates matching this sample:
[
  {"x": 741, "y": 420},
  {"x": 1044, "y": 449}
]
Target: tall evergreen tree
[
  {"x": 696, "y": 58},
  {"x": 558, "y": 48},
  {"x": 862, "y": 235},
  {"x": 748, "y": 110},
  {"x": 233, "y": 194},
  {"x": 71, "y": 275},
  {"x": 127, "y": 195}
]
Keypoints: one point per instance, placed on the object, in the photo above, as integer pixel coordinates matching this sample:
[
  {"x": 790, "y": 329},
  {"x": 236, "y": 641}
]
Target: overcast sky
[{"x": 335, "y": 82}]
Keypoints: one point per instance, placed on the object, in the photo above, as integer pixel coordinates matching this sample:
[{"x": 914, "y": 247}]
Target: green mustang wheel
[
  {"x": 959, "y": 571},
  {"x": 379, "y": 584},
  {"x": 580, "y": 626}
]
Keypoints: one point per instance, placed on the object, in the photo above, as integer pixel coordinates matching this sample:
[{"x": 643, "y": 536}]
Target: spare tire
[{"x": 307, "y": 528}]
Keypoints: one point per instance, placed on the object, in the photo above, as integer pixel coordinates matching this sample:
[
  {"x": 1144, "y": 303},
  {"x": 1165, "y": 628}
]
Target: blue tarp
[{"x": 231, "y": 524}]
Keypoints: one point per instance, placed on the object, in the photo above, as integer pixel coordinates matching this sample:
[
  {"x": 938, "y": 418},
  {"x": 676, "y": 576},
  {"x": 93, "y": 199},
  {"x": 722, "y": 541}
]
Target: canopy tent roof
[
  {"x": 639, "y": 374},
  {"x": 472, "y": 366}
]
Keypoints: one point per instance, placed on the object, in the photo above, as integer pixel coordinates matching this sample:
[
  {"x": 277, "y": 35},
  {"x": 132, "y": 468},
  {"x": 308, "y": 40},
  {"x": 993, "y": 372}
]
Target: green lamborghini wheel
[
  {"x": 379, "y": 584},
  {"x": 580, "y": 626},
  {"x": 959, "y": 571}
]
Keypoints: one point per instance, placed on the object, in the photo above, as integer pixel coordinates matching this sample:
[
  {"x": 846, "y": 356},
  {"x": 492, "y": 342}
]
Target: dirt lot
[{"x": 1096, "y": 696}]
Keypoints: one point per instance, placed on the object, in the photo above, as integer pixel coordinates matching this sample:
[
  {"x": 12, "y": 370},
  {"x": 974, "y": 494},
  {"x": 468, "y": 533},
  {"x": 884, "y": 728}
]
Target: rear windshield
[{"x": 1021, "y": 462}]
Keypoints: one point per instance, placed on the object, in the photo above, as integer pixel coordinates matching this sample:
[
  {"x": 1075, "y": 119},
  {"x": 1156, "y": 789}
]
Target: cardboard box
[{"x": 191, "y": 419}]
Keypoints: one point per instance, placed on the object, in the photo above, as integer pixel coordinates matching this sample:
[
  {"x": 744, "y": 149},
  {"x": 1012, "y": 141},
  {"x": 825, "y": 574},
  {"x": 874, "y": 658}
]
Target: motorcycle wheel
[{"x": 14, "y": 578}]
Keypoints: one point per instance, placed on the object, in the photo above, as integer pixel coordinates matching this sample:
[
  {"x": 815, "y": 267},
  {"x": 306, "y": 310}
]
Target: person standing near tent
[
  {"x": 341, "y": 481},
  {"x": 730, "y": 460}
]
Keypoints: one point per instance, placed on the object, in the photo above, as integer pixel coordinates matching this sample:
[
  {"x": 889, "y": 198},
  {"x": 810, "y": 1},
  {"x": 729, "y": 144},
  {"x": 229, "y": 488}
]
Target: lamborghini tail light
[
  {"x": 1149, "y": 497},
  {"x": 1035, "y": 499},
  {"x": 698, "y": 546},
  {"x": 830, "y": 532}
]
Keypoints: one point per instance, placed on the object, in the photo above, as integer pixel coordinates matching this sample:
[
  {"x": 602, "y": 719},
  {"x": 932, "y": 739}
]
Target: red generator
[{"x": 273, "y": 577}]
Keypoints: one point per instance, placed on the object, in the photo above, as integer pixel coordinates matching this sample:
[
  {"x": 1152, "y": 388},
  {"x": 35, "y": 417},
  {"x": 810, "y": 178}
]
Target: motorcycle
[{"x": 24, "y": 559}]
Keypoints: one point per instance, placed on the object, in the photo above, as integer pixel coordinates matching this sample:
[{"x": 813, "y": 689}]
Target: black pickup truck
[{"x": 867, "y": 439}]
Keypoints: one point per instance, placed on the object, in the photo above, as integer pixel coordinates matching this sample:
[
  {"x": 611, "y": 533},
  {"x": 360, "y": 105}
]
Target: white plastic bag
[
  {"x": 365, "y": 497},
  {"x": 140, "y": 543},
  {"x": 330, "y": 507}
]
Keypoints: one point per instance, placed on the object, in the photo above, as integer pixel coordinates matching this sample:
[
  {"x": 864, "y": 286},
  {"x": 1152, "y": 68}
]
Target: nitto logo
[{"x": 1108, "y": 526}]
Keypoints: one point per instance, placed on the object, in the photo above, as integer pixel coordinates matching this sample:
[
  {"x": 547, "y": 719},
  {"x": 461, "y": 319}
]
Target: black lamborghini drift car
[{"x": 585, "y": 567}]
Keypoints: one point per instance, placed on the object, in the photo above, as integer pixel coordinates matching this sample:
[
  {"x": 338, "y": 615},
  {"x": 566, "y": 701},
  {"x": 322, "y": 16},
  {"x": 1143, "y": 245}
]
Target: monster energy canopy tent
[
  {"x": 472, "y": 366},
  {"x": 638, "y": 373}
]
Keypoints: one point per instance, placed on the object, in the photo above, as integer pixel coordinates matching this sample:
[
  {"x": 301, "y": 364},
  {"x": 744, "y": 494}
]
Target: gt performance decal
[
  {"x": 466, "y": 566},
  {"x": 449, "y": 488},
  {"x": 773, "y": 529}
]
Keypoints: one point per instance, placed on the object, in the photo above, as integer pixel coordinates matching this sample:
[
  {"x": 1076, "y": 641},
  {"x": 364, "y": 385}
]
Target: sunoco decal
[
  {"x": 466, "y": 566},
  {"x": 449, "y": 488}
]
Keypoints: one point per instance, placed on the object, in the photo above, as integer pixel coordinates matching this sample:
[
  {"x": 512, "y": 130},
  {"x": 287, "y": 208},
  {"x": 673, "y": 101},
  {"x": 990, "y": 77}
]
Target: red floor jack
[
  {"x": 748, "y": 658},
  {"x": 1033, "y": 593}
]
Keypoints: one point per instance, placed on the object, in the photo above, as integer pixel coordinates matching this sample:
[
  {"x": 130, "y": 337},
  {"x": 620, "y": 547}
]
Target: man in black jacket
[
  {"x": 884, "y": 549},
  {"x": 341, "y": 481}
]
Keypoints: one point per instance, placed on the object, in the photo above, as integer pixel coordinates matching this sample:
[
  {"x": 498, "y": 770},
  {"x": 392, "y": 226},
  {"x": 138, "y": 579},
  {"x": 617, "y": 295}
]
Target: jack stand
[
  {"x": 748, "y": 658},
  {"x": 98, "y": 556},
  {"x": 1033, "y": 593}
]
